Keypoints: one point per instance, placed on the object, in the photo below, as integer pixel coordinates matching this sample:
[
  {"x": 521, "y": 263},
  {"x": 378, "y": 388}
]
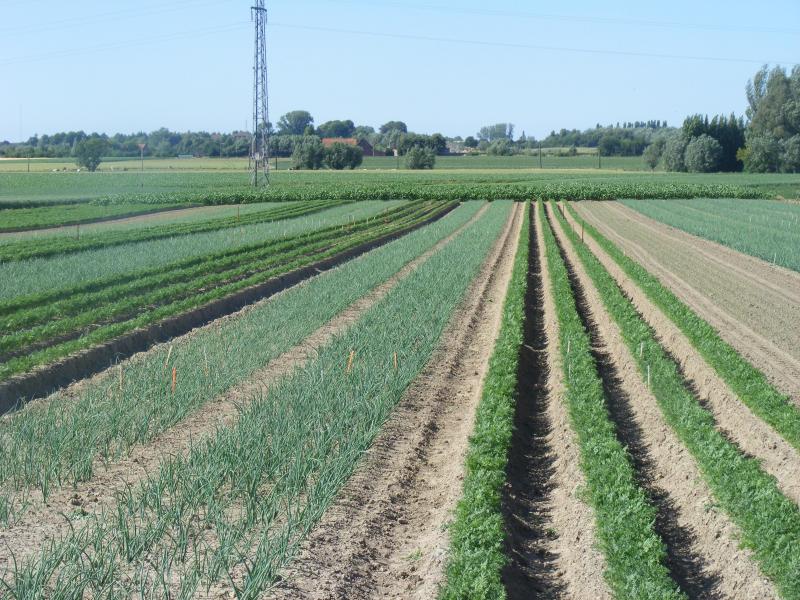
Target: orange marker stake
[
  {"x": 174, "y": 378},
  {"x": 350, "y": 360}
]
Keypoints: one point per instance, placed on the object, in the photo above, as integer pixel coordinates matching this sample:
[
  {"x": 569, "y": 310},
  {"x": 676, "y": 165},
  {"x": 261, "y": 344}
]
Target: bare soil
[
  {"x": 754, "y": 306},
  {"x": 42, "y": 521},
  {"x": 703, "y": 546},
  {"x": 734, "y": 419},
  {"x": 385, "y": 536}
]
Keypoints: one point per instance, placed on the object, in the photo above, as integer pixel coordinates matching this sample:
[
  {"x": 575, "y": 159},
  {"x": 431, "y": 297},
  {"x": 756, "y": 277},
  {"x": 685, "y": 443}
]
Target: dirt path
[
  {"x": 703, "y": 544},
  {"x": 43, "y": 521},
  {"x": 734, "y": 419},
  {"x": 385, "y": 536},
  {"x": 552, "y": 547},
  {"x": 753, "y": 305}
]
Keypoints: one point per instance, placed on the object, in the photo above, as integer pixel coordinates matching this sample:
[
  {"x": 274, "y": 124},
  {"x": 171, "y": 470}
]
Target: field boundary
[{"x": 44, "y": 381}]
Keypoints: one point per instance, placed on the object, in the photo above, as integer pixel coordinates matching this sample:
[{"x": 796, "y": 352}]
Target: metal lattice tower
[{"x": 259, "y": 150}]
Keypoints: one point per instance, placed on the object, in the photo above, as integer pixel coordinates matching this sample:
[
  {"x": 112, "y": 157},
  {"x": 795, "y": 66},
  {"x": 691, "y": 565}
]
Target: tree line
[{"x": 767, "y": 141}]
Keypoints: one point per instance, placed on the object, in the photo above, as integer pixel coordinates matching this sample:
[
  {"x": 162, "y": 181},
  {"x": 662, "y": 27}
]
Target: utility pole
[
  {"x": 259, "y": 150},
  {"x": 540, "y": 155},
  {"x": 141, "y": 154}
]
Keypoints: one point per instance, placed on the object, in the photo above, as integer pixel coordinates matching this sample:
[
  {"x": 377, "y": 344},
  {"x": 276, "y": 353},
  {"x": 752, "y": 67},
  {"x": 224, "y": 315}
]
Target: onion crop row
[
  {"x": 238, "y": 504},
  {"x": 769, "y": 522},
  {"x": 747, "y": 382},
  {"x": 53, "y": 274},
  {"x": 50, "y": 444},
  {"x": 477, "y": 534},
  {"x": 52, "y": 339},
  {"x": 42, "y": 248},
  {"x": 635, "y": 554}
]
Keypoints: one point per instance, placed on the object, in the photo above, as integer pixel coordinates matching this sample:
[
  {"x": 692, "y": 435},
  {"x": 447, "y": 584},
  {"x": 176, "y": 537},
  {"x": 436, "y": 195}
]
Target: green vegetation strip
[
  {"x": 41, "y": 217},
  {"x": 106, "y": 319},
  {"x": 769, "y": 522},
  {"x": 53, "y": 274},
  {"x": 587, "y": 190},
  {"x": 57, "y": 442},
  {"x": 477, "y": 534},
  {"x": 635, "y": 554},
  {"x": 244, "y": 499},
  {"x": 747, "y": 382},
  {"x": 42, "y": 248}
]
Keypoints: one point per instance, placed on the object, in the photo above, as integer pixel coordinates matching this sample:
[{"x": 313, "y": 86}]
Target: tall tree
[
  {"x": 336, "y": 129},
  {"x": 394, "y": 126},
  {"x": 295, "y": 122}
]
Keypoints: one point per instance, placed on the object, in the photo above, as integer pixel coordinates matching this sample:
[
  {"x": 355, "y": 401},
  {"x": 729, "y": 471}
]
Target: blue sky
[{"x": 440, "y": 65}]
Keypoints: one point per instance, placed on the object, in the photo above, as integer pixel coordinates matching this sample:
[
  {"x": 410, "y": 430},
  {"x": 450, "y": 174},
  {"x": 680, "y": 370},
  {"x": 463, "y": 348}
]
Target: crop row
[
  {"x": 769, "y": 522},
  {"x": 635, "y": 554},
  {"x": 62, "y": 215},
  {"x": 242, "y": 500},
  {"x": 45, "y": 332},
  {"x": 749, "y": 384},
  {"x": 477, "y": 534},
  {"x": 34, "y": 276},
  {"x": 49, "y": 444},
  {"x": 42, "y": 248},
  {"x": 585, "y": 190}
]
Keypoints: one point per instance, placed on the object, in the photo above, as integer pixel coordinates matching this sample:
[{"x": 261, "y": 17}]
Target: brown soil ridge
[
  {"x": 577, "y": 566},
  {"x": 712, "y": 563},
  {"x": 734, "y": 419},
  {"x": 385, "y": 536},
  {"x": 43, "y": 521},
  {"x": 754, "y": 306},
  {"x": 45, "y": 379}
]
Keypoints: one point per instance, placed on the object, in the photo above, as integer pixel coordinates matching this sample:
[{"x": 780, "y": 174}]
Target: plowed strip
[
  {"x": 43, "y": 521},
  {"x": 712, "y": 564},
  {"x": 754, "y": 306},
  {"x": 385, "y": 536},
  {"x": 743, "y": 428}
]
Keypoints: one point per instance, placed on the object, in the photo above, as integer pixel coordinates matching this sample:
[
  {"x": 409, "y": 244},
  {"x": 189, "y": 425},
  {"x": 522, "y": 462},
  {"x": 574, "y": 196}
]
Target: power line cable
[
  {"x": 518, "y": 46},
  {"x": 568, "y": 18}
]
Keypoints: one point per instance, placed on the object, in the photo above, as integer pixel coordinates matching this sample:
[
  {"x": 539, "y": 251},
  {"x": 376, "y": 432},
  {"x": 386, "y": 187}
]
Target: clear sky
[{"x": 440, "y": 65}]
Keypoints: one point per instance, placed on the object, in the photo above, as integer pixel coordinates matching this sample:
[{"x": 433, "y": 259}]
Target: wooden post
[{"x": 350, "y": 361}]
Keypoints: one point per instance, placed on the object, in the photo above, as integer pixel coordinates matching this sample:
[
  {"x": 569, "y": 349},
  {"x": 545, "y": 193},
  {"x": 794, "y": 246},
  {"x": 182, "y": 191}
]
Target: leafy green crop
[
  {"x": 770, "y": 522},
  {"x": 747, "y": 382},
  {"x": 634, "y": 552}
]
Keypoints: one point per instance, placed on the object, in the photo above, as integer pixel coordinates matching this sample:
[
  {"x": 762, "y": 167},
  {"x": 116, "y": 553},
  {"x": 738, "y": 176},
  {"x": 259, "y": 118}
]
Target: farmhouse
[{"x": 368, "y": 149}]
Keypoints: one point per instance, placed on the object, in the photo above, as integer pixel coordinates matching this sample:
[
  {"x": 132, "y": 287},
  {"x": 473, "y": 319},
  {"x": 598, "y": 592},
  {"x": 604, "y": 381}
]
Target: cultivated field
[{"x": 465, "y": 383}]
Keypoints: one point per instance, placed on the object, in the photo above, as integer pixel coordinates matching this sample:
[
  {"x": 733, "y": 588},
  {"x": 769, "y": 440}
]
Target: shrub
[
  {"x": 308, "y": 153},
  {"x": 673, "y": 156},
  {"x": 501, "y": 148},
  {"x": 89, "y": 152},
  {"x": 342, "y": 156},
  {"x": 703, "y": 155},
  {"x": 420, "y": 158}
]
